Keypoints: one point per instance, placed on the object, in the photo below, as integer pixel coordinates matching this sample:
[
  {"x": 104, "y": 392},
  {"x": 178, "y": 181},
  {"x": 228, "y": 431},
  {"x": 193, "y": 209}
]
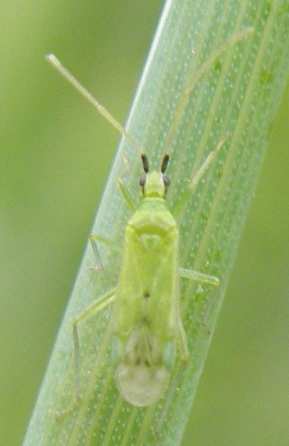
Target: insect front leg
[
  {"x": 199, "y": 277},
  {"x": 94, "y": 239},
  {"x": 126, "y": 195}
]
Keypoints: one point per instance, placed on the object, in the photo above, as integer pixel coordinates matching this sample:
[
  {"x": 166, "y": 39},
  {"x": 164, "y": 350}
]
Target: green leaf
[{"x": 232, "y": 59}]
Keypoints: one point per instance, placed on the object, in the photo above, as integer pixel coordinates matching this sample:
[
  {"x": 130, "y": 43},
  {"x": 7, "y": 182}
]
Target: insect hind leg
[
  {"x": 183, "y": 342},
  {"x": 91, "y": 310},
  {"x": 196, "y": 276}
]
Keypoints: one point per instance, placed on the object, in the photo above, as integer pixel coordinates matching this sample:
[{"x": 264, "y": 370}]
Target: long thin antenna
[
  {"x": 52, "y": 59},
  {"x": 193, "y": 81},
  {"x": 206, "y": 164},
  {"x": 196, "y": 178}
]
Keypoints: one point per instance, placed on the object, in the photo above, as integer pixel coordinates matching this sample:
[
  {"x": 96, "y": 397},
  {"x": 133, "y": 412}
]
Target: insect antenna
[
  {"x": 197, "y": 76},
  {"x": 165, "y": 163},
  {"x": 202, "y": 170},
  {"x": 145, "y": 163},
  {"x": 52, "y": 59}
]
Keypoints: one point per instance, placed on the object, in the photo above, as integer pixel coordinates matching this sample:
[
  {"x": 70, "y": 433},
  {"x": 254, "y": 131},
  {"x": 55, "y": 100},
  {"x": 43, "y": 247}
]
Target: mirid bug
[{"x": 146, "y": 317}]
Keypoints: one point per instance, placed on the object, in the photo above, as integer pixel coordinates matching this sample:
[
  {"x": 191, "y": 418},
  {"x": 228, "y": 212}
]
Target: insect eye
[
  {"x": 142, "y": 182},
  {"x": 167, "y": 181}
]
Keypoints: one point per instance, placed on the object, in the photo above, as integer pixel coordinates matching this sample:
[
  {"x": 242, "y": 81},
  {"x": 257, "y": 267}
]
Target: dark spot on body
[
  {"x": 266, "y": 76},
  {"x": 146, "y": 295},
  {"x": 218, "y": 66}
]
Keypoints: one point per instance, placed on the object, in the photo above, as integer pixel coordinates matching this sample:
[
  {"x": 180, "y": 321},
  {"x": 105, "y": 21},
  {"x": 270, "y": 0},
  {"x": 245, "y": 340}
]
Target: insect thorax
[{"x": 153, "y": 217}]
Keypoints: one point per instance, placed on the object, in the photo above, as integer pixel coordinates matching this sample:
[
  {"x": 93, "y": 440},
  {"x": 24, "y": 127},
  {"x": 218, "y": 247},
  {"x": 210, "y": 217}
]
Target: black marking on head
[
  {"x": 146, "y": 321},
  {"x": 145, "y": 162},
  {"x": 164, "y": 163}
]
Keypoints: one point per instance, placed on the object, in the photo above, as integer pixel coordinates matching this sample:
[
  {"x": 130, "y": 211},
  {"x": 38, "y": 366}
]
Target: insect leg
[
  {"x": 182, "y": 338},
  {"x": 92, "y": 309},
  {"x": 89, "y": 311},
  {"x": 94, "y": 238},
  {"x": 126, "y": 195},
  {"x": 199, "y": 277}
]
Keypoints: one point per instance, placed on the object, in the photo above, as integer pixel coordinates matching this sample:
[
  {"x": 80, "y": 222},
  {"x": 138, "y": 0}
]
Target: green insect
[{"x": 146, "y": 317}]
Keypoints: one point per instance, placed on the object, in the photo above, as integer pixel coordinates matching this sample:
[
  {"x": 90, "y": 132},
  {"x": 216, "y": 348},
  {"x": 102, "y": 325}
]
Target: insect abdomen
[{"x": 142, "y": 375}]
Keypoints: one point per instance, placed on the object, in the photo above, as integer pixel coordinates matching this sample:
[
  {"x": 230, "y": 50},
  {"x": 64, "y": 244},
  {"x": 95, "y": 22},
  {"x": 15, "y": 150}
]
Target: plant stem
[{"x": 241, "y": 49}]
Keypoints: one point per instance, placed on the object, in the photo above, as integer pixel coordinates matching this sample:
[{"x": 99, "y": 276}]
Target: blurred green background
[{"x": 55, "y": 156}]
